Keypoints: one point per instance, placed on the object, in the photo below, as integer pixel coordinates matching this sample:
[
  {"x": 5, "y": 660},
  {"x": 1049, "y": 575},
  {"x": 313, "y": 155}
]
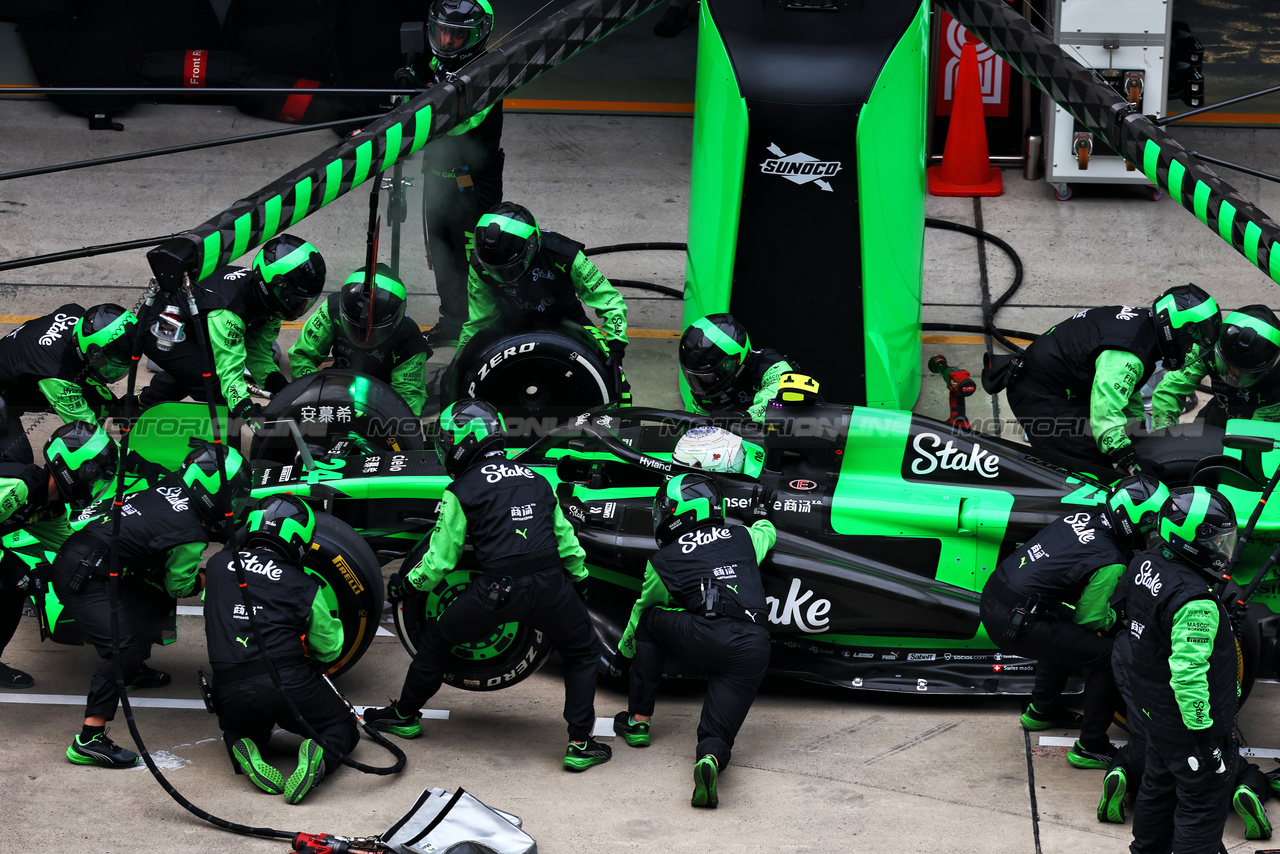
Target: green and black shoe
[
  {"x": 253, "y": 766},
  {"x": 1249, "y": 807},
  {"x": 307, "y": 775},
  {"x": 580, "y": 757},
  {"x": 1114, "y": 787},
  {"x": 635, "y": 732},
  {"x": 1081, "y": 757},
  {"x": 389, "y": 719},
  {"x": 1053, "y": 718},
  {"x": 705, "y": 772},
  {"x": 100, "y": 751}
]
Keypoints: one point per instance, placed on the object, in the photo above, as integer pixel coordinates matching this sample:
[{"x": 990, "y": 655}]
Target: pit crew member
[
  {"x": 701, "y": 600},
  {"x": 298, "y": 629},
  {"x": 725, "y": 375},
  {"x": 1050, "y": 601},
  {"x": 163, "y": 531},
  {"x": 1179, "y": 663},
  {"x": 1077, "y": 389},
  {"x": 368, "y": 334},
  {"x": 530, "y": 562},
  {"x": 241, "y": 310},
  {"x": 62, "y": 361}
]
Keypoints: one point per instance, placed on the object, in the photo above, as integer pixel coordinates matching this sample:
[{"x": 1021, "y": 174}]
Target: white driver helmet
[{"x": 710, "y": 449}]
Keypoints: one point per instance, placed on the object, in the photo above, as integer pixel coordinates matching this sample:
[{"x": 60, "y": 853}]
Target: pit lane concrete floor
[{"x": 816, "y": 769}]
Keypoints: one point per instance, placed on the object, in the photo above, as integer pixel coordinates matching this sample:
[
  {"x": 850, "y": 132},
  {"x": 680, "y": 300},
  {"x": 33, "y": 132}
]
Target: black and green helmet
[
  {"x": 468, "y": 430},
  {"x": 506, "y": 241},
  {"x": 684, "y": 503},
  {"x": 712, "y": 352},
  {"x": 1186, "y": 317},
  {"x": 105, "y": 336},
  {"x": 371, "y": 315},
  {"x": 81, "y": 457},
  {"x": 214, "y": 488},
  {"x": 1199, "y": 524},
  {"x": 458, "y": 30},
  {"x": 1134, "y": 506},
  {"x": 1249, "y": 346},
  {"x": 290, "y": 276},
  {"x": 284, "y": 524}
]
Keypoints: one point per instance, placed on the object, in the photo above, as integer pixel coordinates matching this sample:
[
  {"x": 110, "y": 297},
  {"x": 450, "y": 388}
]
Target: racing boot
[
  {"x": 13, "y": 678},
  {"x": 389, "y": 719},
  {"x": 1101, "y": 756},
  {"x": 259, "y": 772},
  {"x": 1053, "y": 717},
  {"x": 148, "y": 677},
  {"x": 1114, "y": 787},
  {"x": 307, "y": 775},
  {"x": 581, "y": 755},
  {"x": 1249, "y": 807},
  {"x": 102, "y": 751},
  {"x": 705, "y": 771},
  {"x": 635, "y": 732}
]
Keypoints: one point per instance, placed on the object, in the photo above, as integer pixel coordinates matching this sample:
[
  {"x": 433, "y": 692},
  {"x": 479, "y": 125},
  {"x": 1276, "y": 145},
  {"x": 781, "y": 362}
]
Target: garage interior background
[{"x": 634, "y": 72}]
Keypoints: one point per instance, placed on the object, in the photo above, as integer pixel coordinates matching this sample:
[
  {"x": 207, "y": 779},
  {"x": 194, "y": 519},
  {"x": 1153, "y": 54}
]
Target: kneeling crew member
[
  {"x": 163, "y": 534},
  {"x": 724, "y": 374},
  {"x": 79, "y": 458},
  {"x": 1074, "y": 561},
  {"x": 370, "y": 335},
  {"x": 63, "y": 361},
  {"x": 1179, "y": 660},
  {"x": 530, "y": 562},
  {"x": 298, "y": 629},
  {"x": 701, "y": 600}
]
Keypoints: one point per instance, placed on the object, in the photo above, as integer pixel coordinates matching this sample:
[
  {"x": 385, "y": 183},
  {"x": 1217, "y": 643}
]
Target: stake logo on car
[
  {"x": 810, "y": 619},
  {"x": 936, "y": 456}
]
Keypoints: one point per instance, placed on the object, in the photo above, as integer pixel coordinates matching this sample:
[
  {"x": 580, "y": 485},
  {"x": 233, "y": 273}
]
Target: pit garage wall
[{"x": 807, "y": 207}]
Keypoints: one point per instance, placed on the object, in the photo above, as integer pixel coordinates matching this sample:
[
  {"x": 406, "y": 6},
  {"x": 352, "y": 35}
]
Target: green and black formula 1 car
[{"x": 888, "y": 525}]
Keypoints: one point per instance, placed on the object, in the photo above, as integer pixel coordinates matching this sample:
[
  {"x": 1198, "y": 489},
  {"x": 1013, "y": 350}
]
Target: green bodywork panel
[
  {"x": 891, "y": 196},
  {"x": 872, "y": 499},
  {"x": 715, "y": 196},
  {"x": 162, "y": 434}
]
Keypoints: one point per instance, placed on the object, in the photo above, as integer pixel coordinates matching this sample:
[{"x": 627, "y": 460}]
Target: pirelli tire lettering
[{"x": 351, "y": 582}]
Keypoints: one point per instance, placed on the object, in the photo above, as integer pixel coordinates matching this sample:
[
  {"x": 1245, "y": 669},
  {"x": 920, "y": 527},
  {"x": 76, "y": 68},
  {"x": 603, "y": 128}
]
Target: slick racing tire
[
  {"x": 536, "y": 378},
  {"x": 1172, "y": 454},
  {"x": 1248, "y": 637},
  {"x": 351, "y": 582},
  {"x": 330, "y": 406},
  {"x": 507, "y": 655}
]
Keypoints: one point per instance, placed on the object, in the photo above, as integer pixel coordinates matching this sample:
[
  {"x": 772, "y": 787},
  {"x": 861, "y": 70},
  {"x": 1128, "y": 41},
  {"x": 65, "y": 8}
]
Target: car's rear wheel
[
  {"x": 536, "y": 378},
  {"x": 508, "y": 654},
  {"x": 333, "y": 405}
]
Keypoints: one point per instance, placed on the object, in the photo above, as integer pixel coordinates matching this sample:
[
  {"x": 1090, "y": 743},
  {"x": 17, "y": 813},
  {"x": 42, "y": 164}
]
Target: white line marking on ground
[
  {"x": 1252, "y": 752},
  {"x": 198, "y": 611},
  {"x": 78, "y": 700},
  {"x": 431, "y": 714}
]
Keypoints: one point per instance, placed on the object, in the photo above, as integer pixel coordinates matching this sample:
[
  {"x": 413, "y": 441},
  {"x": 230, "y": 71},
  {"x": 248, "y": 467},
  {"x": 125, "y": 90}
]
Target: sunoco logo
[{"x": 800, "y": 168}]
